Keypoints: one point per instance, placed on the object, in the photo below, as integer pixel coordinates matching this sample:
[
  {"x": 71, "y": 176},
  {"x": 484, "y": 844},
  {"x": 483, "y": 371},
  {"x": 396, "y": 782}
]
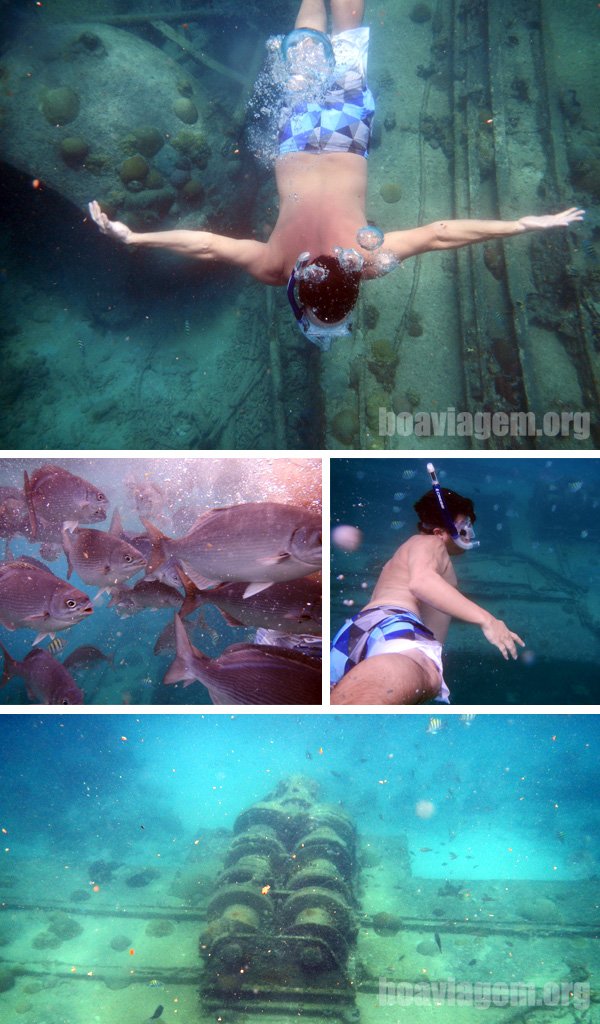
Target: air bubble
[{"x": 370, "y": 237}]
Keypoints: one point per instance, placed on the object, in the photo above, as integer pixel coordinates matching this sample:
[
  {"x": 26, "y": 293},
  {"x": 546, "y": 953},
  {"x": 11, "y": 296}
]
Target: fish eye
[
  {"x": 128, "y": 558},
  {"x": 71, "y": 603},
  {"x": 100, "y": 496},
  {"x": 64, "y": 701}
]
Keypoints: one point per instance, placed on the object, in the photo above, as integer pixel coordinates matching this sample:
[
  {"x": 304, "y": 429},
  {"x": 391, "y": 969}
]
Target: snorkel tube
[{"x": 464, "y": 538}]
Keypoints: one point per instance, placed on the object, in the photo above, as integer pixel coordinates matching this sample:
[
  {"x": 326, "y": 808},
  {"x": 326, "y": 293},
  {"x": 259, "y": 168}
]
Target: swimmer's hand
[
  {"x": 498, "y": 634},
  {"x": 114, "y": 228},
  {"x": 552, "y": 220}
]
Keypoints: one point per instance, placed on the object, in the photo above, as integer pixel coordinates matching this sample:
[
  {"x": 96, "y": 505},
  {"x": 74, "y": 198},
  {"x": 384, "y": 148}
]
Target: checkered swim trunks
[
  {"x": 341, "y": 123},
  {"x": 371, "y": 630}
]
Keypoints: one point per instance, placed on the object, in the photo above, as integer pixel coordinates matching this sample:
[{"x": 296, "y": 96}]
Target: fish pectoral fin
[
  {"x": 40, "y": 617},
  {"x": 274, "y": 559},
  {"x": 70, "y": 525},
  {"x": 103, "y": 590},
  {"x": 255, "y": 588}
]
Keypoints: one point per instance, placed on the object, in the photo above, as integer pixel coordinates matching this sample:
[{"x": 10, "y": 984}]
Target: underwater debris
[
  {"x": 385, "y": 923},
  {"x": 160, "y": 928},
  {"x": 142, "y": 878}
]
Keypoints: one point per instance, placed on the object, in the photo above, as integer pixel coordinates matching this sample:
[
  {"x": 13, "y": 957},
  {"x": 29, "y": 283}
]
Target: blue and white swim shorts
[
  {"x": 384, "y": 630},
  {"x": 341, "y": 121}
]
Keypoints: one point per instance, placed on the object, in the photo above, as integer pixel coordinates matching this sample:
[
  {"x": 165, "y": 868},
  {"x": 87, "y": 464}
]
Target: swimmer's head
[
  {"x": 331, "y": 299},
  {"x": 430, "y": 515}
]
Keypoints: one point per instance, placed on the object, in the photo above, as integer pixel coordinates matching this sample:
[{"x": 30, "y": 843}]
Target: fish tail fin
[
  {"x": 192, "y": 593},
  {"x": 157, "y": 555},
  {"x": 183, "y": 669},
  {"x": 10, "y": 666},
  {"x": 29, "y": 499}
]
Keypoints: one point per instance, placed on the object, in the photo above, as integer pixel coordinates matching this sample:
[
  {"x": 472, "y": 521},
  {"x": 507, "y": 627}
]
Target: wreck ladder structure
[{"x": 508, "y": 76}]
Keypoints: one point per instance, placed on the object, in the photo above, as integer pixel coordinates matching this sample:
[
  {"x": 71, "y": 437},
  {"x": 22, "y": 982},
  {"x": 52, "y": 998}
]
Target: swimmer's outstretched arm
[
  {"x": 452, "y": 234},
  {"x": 246, "y": 253}
]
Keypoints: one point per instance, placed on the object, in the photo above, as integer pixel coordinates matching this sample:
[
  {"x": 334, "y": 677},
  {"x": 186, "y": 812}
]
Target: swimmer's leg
[
  {"x": 312, "y": 14},
  {"x": 346, "y": 14},
  {"x": 407, "y": 678}
]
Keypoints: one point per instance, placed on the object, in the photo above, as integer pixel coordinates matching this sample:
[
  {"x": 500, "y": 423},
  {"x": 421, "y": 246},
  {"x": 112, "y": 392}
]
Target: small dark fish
[
  {"x": 46, "y": 680},
  {"x": 425, "y": 849},
  {"x": 32, "y": 597},
  {"x": 100, "y": 558},
  {"x": 453, "y": 856},
  {"x": 56, "y": 645},
  {"x": 488, "y": 899},
  {"x": 55, "y": 496},
  {"x": 561, "y": 836},
  {"x": 247, "y": 673},
  {"x": 438, "y": 941},
  {"x": 308, "y": 755},
  {"x": 86, "y": 655},
  {"x": 157, "y": 1013},
  {"x": 472, "y": 963}
]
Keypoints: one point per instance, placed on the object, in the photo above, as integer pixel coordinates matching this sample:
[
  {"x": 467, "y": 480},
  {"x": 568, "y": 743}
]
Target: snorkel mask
[
  {"x": 465, "y": 536},
  {"x": 320, "y": 333}
]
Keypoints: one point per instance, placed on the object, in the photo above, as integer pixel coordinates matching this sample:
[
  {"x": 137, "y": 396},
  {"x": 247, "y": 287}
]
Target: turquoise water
[
  {"x": 170, "y": 493},
  {"x": 536, "y": 567},
  {"x": 504, "y": 867},
  {"x": 146, "y": 351}
]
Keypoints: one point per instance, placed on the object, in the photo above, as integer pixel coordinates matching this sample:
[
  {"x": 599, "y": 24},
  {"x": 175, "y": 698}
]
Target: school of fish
[{"x": 257, "y": 562}]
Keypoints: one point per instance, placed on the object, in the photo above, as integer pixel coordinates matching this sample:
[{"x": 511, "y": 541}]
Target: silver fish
[
  {"x": 259, "y": 543},
  {"x": 55, "y": 496},
  {"x": 247, "y": 673},
  {"x": 99, "y": 558},
  {"x": 46, "y": 680},
  {"x": 293, "y": 606},
  {"x": 32, "y": 597},
  {"x": 145, "y": 594}
]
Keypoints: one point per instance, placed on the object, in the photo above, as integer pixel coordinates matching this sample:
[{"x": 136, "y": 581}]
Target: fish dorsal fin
[{"x": 116, "y": 524}]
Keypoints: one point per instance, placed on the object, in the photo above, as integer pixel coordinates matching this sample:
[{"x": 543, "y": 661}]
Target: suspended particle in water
[
  {"x": 348, "y": 538},
  {"x": 370, "y": 237},
  {"x": 424, "y": 809}
]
